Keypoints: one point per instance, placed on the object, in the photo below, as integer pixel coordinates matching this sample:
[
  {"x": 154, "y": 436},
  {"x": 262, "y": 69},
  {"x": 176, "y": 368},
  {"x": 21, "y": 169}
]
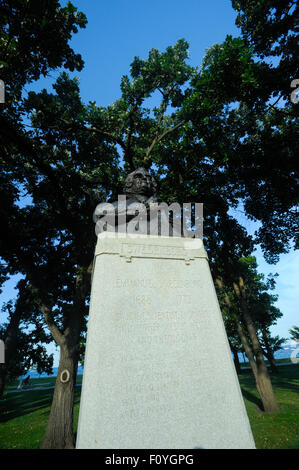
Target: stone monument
[{"x": 158, "y": 370}]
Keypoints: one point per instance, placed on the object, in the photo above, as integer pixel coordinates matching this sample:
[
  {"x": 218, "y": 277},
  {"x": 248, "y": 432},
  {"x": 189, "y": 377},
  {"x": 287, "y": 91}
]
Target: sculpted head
[{"x": 140, "y": 182}]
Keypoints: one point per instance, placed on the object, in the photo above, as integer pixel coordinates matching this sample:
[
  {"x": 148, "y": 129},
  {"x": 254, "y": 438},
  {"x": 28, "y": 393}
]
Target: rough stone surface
[{"x": 158, "y": 369}]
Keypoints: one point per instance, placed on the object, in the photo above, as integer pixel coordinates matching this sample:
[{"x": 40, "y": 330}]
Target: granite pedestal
[{"x": 158, "y": 370}]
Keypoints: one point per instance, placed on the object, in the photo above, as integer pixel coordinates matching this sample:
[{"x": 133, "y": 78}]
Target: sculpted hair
[{"x": 129, "y": 182}]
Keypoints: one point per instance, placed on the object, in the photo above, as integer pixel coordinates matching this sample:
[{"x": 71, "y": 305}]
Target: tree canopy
[{"x": 224, "y": 135}]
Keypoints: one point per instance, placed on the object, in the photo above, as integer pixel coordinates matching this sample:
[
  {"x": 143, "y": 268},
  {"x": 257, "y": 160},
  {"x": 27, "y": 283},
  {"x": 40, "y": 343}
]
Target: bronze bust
[{"x": 137, "y": 211}]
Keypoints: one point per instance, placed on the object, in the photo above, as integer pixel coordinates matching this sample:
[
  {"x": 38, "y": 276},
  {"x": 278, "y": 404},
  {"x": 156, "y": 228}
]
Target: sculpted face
[
  {"x": 140, "y": 182},
  {"x": 140, "y": 191}
]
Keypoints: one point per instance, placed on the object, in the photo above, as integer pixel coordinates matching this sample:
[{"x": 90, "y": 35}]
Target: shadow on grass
[
  {"x": 20, "y": 404},
  {"x": 253, "y": 399},
  {"x": 23, "y": 403},
  {"x": 287, "y": 379}
]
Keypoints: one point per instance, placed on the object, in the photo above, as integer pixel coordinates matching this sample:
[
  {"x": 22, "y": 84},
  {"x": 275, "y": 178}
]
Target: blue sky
[{"x": 119, "y": 30}]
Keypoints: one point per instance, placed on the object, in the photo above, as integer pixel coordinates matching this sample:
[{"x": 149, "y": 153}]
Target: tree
[
  {"x": 232, "y": 334},
  {"x": 265, "y": 314},
  {"x": 294, "y": 332},
  {"x": 242, "y": 287},
  {"x": 253, "y": 351},
  {"x": 55, "y": 248},
  {"x": 270, "y": 345},
  {"x": 27, "y": 52},
  {"x": 251, "y": 131},
  {"x": 24, "y": 338},
  {"x": 27, "y": 32},
  {"x": 234, "y": 274},
  {"x": 262, "y": 309},
  {"x": 271, "y": 28}
]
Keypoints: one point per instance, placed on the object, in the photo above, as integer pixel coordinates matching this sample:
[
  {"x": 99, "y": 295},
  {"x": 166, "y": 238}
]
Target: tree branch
[
  {"x": 161, "y": 117},
  {"x": 56, "y": 333},
  {"x": 272, "y": 106},
  {"x": 128, "y": 145},
  {"x": 157, "y": 140},
  {"x": 110, "y": 136}
]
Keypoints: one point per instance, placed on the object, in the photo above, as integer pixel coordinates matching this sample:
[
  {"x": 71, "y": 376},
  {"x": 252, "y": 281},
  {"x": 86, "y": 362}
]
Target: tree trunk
[
  {"x": 237, "y": 362},
  {"x": 236, "y": 359},
  {"x": 258, "y": 366},
  {"x": 2, "y": 379},
  {"x": 10, "y": 342},
  {"x": 269, "y": 354},
  {"x": 246, "y": 346},
  {"x": 59, "y": 432},
  {"x": 262, "y": 378},
  {"x": 271, "y": 360}
]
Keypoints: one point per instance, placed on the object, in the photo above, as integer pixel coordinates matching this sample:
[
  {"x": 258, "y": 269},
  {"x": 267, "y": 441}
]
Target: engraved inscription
[
  {"x": 153, "y": 250},
  {"x": 153, "y": 284},
  {"x": 183, "y": 299},
  {"x": 149, "y": 317},
  {"x": 143, "y": 299}
]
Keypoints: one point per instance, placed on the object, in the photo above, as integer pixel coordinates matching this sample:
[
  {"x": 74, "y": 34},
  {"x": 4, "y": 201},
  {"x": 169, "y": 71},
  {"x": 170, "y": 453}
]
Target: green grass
[
  {"x": 24, "y": 415},
  {"x": 279, "y": 430}
]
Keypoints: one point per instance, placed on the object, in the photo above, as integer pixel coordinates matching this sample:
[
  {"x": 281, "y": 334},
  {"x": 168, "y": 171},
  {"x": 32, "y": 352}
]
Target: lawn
[
  {"x": 24, "y": 415},
  {"x": 274, "y": 431}
]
